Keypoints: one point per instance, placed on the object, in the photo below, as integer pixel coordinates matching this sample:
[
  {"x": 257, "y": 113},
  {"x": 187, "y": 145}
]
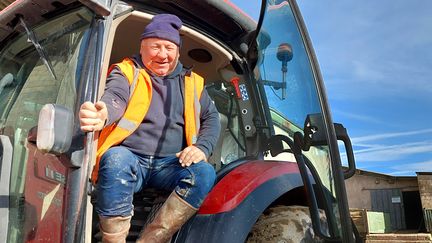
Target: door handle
[{"x": 341, "y": 134}]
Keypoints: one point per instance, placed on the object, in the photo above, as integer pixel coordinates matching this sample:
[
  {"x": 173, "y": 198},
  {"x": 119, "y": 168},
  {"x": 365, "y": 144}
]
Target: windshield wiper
[{"x": 42, "y": 54}]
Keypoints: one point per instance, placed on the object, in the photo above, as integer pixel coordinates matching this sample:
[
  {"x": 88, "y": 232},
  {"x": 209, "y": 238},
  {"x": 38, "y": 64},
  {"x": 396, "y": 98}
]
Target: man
[{"x": 158, "y": 126}]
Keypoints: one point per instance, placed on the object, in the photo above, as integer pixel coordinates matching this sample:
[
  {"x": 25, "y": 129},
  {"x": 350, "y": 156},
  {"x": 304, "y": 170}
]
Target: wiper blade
[{"x": 42, "y": 54}]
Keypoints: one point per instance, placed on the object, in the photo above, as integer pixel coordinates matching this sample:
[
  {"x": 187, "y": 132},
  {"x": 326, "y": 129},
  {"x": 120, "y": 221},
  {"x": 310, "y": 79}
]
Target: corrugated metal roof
[{"x": 5, "y": 3}]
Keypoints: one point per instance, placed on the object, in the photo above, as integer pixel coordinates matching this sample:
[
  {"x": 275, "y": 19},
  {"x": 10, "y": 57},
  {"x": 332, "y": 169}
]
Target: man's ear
[
  {"x": 178, "y": 57},
  {"x": 141, "y": 46}
]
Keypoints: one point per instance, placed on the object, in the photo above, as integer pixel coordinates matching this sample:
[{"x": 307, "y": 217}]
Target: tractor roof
[{"x": 220, "y": 18}]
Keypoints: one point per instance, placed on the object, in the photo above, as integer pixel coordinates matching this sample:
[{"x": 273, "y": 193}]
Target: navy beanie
[{"x": 163, "y": 26}]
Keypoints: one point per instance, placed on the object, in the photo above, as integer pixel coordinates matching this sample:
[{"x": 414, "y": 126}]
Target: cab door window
[{"x": 26, "y": 84}]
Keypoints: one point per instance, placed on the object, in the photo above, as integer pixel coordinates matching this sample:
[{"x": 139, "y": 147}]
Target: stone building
[{"x": 406, "y": 200}]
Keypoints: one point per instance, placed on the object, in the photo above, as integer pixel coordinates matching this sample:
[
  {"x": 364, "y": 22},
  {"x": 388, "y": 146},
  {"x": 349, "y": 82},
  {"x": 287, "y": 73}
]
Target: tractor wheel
[{"x": 285, "y": 224}]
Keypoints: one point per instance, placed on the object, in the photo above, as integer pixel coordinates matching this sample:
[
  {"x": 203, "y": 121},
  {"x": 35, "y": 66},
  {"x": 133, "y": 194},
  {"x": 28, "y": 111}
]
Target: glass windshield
[
  {"x": 37, "y": 181},
  {"x": 285, "y": 72}
]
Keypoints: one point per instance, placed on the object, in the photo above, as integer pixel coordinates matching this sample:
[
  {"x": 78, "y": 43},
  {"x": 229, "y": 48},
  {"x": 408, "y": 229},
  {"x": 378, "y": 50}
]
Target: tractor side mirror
[{"x": 54, "y": 130}]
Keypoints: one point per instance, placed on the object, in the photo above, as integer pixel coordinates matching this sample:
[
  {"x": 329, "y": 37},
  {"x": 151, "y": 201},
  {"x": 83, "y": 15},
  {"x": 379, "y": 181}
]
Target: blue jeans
[{"x": 123, "y": 173}]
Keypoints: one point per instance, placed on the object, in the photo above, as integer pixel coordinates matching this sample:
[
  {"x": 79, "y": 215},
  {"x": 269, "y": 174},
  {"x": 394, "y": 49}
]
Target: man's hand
[
  {"x": 92, "y": 116},
  {"x": 190, "y": 155}
]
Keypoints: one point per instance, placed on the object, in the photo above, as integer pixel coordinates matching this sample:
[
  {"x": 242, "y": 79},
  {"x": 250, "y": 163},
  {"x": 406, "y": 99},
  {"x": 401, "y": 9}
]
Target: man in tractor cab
[{"x": 158, "y": 126}]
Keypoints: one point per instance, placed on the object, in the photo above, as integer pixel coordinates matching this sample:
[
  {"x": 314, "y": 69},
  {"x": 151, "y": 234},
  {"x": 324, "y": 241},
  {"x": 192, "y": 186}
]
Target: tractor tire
[{"x": 285, "y": 224}]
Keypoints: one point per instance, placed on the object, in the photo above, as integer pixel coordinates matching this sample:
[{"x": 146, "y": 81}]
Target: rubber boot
[
  {"x": 168, "y": 220},
  {"x": 114, "y": 229}
]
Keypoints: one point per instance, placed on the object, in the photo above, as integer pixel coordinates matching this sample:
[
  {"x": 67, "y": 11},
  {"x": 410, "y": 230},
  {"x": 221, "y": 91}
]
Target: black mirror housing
[{"x": 314, "y": 131}]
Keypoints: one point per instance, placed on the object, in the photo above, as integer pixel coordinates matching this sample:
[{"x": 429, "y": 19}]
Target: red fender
[{"x": 229, "y": 192}]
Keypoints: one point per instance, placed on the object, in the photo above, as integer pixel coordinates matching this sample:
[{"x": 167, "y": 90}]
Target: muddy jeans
[{"x": 123, "y": 173}]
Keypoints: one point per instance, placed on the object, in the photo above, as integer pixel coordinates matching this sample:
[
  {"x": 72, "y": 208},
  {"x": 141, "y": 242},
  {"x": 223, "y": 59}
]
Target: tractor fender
[{"x": 238, "y": 199}]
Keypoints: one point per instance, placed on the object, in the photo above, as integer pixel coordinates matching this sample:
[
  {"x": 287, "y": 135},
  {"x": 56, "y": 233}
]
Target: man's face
[{"x": 160, "y": 56}]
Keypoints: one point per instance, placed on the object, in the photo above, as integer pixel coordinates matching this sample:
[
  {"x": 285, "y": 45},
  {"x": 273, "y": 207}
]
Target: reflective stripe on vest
[{"x": 139, "y": 102}]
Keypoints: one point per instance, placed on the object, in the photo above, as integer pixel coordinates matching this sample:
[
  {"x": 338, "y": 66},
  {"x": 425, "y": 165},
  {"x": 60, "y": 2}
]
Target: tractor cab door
[
  {"x": 287, "y": 74},
  {"x": 42, "y": 61}
]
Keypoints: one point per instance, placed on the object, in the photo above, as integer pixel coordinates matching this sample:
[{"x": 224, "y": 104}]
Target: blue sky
[{"x": 376, "y": 61}]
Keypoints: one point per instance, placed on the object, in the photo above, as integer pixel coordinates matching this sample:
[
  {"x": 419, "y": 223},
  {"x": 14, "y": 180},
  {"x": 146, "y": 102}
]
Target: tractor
[{"x": 279, "y": 171}]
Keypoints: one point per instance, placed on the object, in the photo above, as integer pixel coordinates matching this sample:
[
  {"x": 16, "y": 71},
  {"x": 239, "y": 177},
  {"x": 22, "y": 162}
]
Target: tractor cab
[{"x": 277, "y": 157}]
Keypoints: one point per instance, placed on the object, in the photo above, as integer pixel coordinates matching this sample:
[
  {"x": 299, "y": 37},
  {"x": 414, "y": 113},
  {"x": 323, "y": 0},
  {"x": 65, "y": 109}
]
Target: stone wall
[{"x": 425, "y": 189}]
